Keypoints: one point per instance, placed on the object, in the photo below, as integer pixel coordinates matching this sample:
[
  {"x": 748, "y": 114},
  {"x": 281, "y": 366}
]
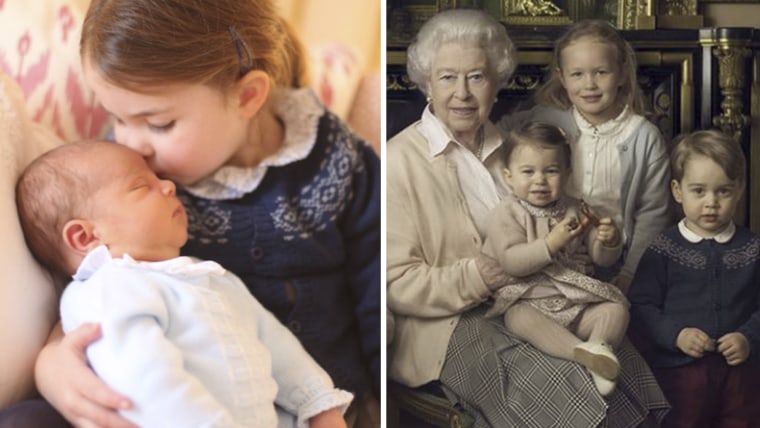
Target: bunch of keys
[{"x": 586, "y": 211}]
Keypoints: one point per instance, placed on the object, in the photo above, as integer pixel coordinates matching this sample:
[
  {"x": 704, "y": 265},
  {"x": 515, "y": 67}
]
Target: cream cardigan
[{"x": 431, "y": 248}]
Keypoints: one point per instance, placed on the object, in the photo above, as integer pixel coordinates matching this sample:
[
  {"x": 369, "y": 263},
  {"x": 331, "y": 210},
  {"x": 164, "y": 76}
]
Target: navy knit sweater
[
  {"x": 708, "y": 285},
  {"x": 306, "y": 242}
]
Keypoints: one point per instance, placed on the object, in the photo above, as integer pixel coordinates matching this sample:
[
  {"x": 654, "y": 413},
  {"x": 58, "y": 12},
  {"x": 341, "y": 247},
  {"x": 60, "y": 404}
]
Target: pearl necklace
[{"x": 480, "y": 138}]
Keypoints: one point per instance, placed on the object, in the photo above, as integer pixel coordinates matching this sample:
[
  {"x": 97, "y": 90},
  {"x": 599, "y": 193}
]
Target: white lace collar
[
  {"x": 609, "y": 128},
  {"x": 99, "y": 257},
  {"x": 721, "y": 238},
  {"x": 299, "y": 111},
  {"x": 556, "y": 210}
]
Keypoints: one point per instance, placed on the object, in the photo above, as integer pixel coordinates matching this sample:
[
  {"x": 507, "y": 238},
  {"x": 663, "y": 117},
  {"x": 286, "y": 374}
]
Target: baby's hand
[
  {"x": 328, "y": 419},
  {"x": 564, "y": 232},
  {"x": 607, "y": 233},
  {"x": 734, "y": 347},
  {"x": 694, "y": 342}
]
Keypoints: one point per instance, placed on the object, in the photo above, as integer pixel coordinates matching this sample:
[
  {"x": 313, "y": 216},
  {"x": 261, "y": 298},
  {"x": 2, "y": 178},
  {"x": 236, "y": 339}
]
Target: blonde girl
[
  {"x": 276, "y": 188},
  {"x": 620, "y": 164}
]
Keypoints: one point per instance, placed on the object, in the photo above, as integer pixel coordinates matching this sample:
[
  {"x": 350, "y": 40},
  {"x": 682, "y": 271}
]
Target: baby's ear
[
  {"x": 79, "y": 237},
  {"x": 508, "y": 176},
  {"x": 252, "y": 91}
]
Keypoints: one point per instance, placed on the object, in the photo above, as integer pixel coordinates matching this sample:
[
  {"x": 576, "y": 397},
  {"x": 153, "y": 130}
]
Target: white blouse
[
  {"x": 595, "y": 176},
  {"x": 481, "y": 190}
]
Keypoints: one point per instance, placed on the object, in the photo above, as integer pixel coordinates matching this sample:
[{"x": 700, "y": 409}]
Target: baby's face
[
  {"x": 536, "y": 174},
  {"x": 132, "y": 210}
]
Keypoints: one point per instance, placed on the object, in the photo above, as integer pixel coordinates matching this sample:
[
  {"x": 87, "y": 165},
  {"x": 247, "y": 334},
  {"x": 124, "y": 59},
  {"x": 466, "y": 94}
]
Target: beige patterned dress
[{"x": 559, "y": 286}]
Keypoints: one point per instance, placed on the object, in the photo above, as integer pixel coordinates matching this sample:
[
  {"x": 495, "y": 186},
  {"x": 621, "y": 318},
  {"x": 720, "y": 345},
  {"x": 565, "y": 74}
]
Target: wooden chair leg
[{"x": 427, "y": 406}]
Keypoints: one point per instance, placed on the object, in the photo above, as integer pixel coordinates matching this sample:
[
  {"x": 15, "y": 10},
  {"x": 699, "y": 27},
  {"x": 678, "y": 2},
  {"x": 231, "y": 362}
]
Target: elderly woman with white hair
[{"x": 444, "y": 174}]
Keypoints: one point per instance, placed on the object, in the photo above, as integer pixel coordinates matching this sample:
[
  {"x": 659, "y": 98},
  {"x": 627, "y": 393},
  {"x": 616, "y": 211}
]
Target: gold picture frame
[
  {"x": 623, "y": 14},
  {"x": 405, "y": 17}
]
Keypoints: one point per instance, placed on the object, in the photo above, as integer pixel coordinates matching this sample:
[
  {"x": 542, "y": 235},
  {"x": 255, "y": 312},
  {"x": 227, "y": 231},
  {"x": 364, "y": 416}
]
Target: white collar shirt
[
  {"x": 481, "y": 190},
  {"x": 596, "y": 176},
  {"x": 724, "y": 236}
]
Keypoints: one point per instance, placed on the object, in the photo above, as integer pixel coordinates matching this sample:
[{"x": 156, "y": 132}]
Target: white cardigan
[{"x": 431, "y": 247}]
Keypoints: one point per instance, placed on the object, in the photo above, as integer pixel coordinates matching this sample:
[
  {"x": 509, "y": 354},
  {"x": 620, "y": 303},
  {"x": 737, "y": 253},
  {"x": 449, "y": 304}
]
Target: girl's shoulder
[
  {"x": 644, "y": 125},
  {"x": 335, "y": 138}
]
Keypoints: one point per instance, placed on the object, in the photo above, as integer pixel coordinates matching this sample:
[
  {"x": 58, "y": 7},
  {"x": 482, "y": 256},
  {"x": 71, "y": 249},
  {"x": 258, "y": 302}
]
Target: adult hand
[
  {"x": 734, "y": 347},
  {"x": 492, "y": 273},
  {"x": 694, "y": 342},
  {"x": 328, "y": 419},
  {"x": 65, "y": 380}
]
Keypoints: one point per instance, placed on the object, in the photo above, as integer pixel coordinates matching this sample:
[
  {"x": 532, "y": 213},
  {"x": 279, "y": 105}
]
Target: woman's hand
[
  {"x": 491, "y": 272},
  {"x": 734, "y": 347},
  {"x": 65, "y": 380},
  {"x": 328, "y": 419}
]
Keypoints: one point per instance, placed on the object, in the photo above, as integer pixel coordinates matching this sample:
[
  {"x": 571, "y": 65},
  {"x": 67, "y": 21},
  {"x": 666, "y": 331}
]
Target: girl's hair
[
  {"x": 554, "y": 94},
  {"x": 714, "y": 145},
  {"x": 461, "y": 26},
  {"x": 538, "y": 134},
  {"x": 134, "y": 43}
]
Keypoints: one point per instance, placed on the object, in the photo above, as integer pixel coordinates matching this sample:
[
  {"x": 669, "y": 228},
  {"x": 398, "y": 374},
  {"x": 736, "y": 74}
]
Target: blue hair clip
[{"x": 243, "y": 51}]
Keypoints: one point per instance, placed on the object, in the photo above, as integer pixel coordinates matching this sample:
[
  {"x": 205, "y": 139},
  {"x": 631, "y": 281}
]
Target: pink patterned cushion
[
  {"x": 334, "y": 76},
  {"x": 40, "y": 50}
]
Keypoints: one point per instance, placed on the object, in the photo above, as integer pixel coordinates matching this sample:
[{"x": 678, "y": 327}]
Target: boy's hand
[
  {"x": 694, "y": 342},
  {"x": 564, "y": 232},
  {"x": 607, "y": 233},
  {"x": 734, "y": 347},
  {"x": 328, "y": 419}
]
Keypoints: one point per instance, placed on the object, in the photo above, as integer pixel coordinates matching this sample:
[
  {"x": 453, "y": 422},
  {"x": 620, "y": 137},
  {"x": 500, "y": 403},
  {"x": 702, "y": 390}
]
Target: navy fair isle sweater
[
  {"x": 306, "y": 242},
  {"x": 708, "y": 285}
]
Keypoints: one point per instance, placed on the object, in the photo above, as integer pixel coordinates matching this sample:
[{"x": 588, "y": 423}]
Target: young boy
[
  {"x": 694, "y": 298},
  {"x": 183, "y": 338}
]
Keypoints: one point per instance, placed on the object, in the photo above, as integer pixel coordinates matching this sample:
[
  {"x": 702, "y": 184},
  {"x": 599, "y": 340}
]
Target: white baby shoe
[
  {"x": 604, "y": 386},
  {"x": 598, "y": 358}
]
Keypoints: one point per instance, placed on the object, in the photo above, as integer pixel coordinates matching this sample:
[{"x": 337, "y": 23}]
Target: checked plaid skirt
[{"x": 505, "y": 382}]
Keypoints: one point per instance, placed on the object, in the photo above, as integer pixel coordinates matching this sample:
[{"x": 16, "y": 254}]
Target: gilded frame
[{"x": 406, "y": 16}]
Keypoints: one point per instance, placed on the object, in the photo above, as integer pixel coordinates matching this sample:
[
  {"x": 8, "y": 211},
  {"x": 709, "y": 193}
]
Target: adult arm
[
  {"x": 28, "y": 306},
  {"x": 421, "y": 280}
]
